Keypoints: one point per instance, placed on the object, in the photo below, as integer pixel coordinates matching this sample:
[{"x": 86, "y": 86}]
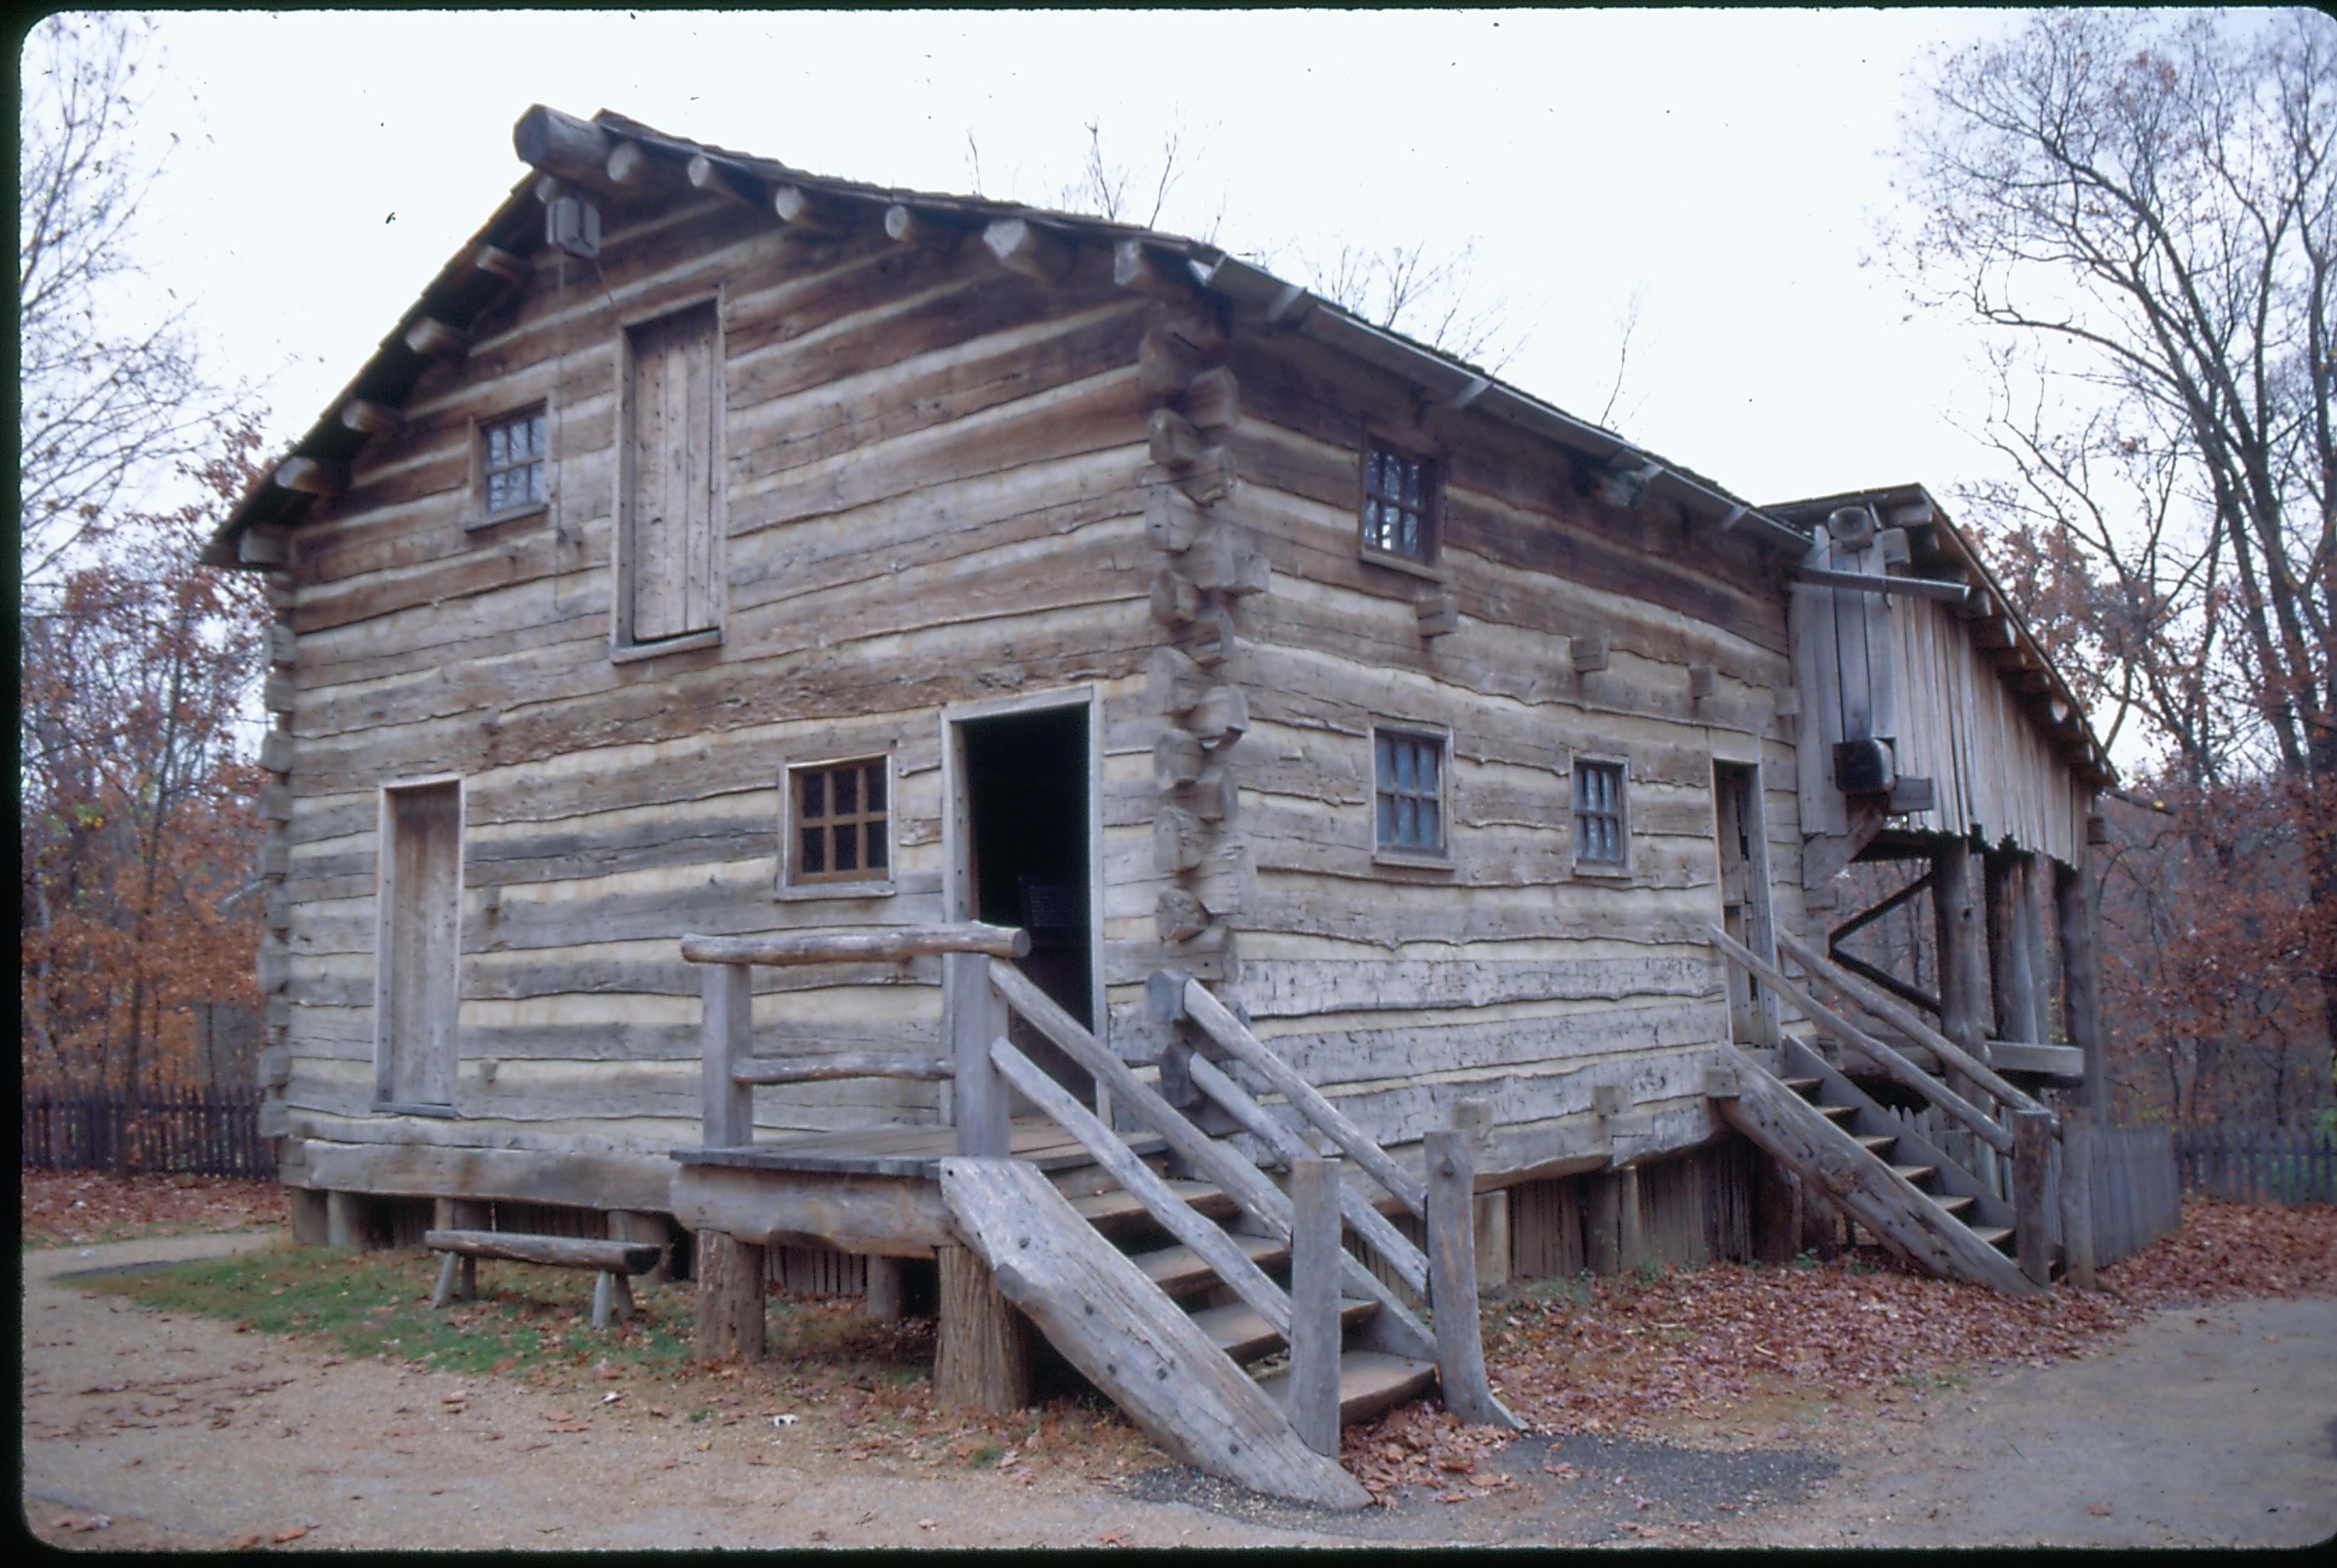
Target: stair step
[
  {"x": 1994, "y": 1235},
  {"x": 1837, "y": 1112},
  {"x": 1801, "y": 1085},
  {"x": 1370, "y": 1381},
  {"x": 1120, "y": 1207},
  {"x": 1871, "y": 1142},
  {"x": 1179, "y": 1270},
  {"x": 1956, "y": 1204},
  {"x": 1915, "y": 1173},
  {"x": 1241, "y": 1333}
]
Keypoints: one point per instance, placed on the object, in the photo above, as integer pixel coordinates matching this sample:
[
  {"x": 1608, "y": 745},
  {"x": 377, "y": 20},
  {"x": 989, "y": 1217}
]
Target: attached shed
[{"x": 732, "y": 598}]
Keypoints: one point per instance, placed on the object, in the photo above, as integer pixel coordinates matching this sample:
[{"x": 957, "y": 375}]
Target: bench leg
[
  {"x": 602, "y": 1297},
  {"x": 470, "y": 1288},
  {"x": 447, "y": 1277},
  {"x": 621, "y": 1296}
]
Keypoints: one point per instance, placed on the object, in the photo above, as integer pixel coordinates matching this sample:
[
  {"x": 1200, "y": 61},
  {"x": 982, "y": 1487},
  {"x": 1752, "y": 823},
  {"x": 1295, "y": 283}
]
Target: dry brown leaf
[{"x": 289, "y": 1532}]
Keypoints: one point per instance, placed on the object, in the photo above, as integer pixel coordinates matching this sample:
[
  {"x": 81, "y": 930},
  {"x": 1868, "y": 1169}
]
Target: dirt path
[{"x": 2215, "y": 1425}]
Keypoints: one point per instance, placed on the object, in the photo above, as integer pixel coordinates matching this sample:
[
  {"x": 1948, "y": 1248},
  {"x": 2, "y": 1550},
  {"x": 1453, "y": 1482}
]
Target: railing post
[
  {"x": 1452, "y": 1280},
  {"x": 2077, "y": 1196},
  {"x": 1314, "y": 1340},
  {"x": 975, "y": 1015},
  {"x": 2032, "y": 1140},
  {"x": 726, "y": 1040}
]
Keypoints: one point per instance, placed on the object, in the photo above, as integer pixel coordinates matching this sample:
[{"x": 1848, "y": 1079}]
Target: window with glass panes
[
  {"x": 841, "y": 827},
  {"x": 1598, "y": 813},
  {"x": 1398, "y": 491},
  {"x": 1409, "y": 772},
  {"x": 513, "y": 469}
]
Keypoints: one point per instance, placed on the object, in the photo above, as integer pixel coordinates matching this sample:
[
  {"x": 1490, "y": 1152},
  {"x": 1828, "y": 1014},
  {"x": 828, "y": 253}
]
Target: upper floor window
[
  {"x": 1408, "y": 790},
  {"x": 512, "y": 463},
  {"x": 1600, "y": 821},
  {"x": 1399, "y": 504},
  {"x": 843, "y": 827}
]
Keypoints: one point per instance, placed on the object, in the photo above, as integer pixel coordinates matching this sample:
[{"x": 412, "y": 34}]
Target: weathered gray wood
[
  {"x": 1899, "y": 1067},
  {"x": 2077, "y": 1198},
  {"x": 1452, "y": 1274},
  {"x": 982, "y": 1353},
  {"x": 612, "y": 1298},
  {"x": 1113, "y": 1324},
  {"x": 840, "y": 1065},
  {"x": 1407, "y": 1260},
  {"x": 1172, "y": 1212},
  {"x": 642, "y": 1229},
  {"x": 1962, "y": 950},
  {"x": 2010, "y": 984},
  {"x": 851, "y": 1211},
  {"x": 446, "y": 1289},
  {"x": 555, "y": 1251},
  {"x": 729, "y": 1297},
  {"x": 975, "y": 1016},
  {"x": 1031, "y": 250},
  {"x": 1315, "y": 1336},
  {"x": 883, "y": 1300},
  {"x": 1832, "y": 1165},
  {"x": 2076, "y": 918},
  {"x": 1222, "y": 1026},
  {"x": 1875, "y": 1000},
  {"x": 1867, "y": 582},
  {"x": 890, "y": 944},
  {"x": 2032, "y": 1142},
  {"x": 726, "y": 1038}
]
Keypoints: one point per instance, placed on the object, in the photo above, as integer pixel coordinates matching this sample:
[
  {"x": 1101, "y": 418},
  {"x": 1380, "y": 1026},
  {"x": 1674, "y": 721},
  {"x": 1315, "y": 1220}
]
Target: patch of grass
[
  {"x": 984, "y": 1457},
  {"x": 1574, "y": 1290},
  {"x": 375, "y": 1303}
]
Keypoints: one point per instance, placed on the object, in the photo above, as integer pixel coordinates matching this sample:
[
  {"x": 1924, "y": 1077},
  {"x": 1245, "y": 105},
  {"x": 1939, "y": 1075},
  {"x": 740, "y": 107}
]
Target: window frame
[
  {"x": 831, "y": 884},
  {"x": 623, "y": 646},
  {"x": 482, "y": 515},
  {"x": 1620, "y": 866},
  {"x": 1441, "y": 738},
  {"x": 1431, "y": 463}
]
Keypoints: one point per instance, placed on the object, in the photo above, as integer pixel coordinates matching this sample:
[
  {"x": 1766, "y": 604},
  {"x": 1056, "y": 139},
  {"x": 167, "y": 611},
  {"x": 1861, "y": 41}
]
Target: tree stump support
[
  {"x": 729, "y": 1297},
  {"x": 983, "y": 1358}
]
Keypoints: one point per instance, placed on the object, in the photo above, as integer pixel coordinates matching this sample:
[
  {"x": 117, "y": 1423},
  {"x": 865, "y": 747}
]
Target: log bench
[{"x": 458, "y": 1276}]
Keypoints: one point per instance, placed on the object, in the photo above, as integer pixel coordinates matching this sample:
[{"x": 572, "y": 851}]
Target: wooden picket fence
[
  {"x": 201, "y": 1131},
  {"x": 2258, "y": 1164},
  {"x": 2136, "y": 1193}
]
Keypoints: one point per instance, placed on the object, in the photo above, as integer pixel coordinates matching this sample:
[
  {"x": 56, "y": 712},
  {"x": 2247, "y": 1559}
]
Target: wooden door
[
  {"x": 672, "y": 470},
  {"x": 421, "y": 908},
  {"x": 1745, "y": 898}
]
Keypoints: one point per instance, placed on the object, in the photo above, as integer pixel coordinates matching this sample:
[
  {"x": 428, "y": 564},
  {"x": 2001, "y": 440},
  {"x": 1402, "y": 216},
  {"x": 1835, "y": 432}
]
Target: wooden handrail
[
  {"x": 821, "y": 1069},
  {"x": 1358, "y": 1145},
  {"x": 1899, "y": 1067},
  {"x": 886, "y": 944},
  {"x": 1914, "y": 1028}
]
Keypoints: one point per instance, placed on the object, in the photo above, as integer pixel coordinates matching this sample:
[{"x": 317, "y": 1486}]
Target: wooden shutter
[
  {"x": 421, "y": 893},
  {"x": 673, "y": 564}
]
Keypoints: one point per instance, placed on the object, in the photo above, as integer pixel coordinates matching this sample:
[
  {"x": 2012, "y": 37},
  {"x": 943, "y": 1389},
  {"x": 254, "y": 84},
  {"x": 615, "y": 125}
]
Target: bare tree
[
  {"x": 109, "y": 402},
  {"x": 1409, "y": 288}
]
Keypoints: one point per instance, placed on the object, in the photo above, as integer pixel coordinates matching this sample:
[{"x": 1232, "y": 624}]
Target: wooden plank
[
  {"x": 1097, "y": 1306},
  {"x": 2032, "y": 1142},
  {"x": 1452, "y": 1274},
  {"x": 894, "y": 1216},
  {"x": 552, "y": 1251},
  {"x": 1203, "y": 1235},
  {"x": 840, "y": 1065},
  {"x": 1222, "y": 1026},
  {"x": 891, "y": 944}
]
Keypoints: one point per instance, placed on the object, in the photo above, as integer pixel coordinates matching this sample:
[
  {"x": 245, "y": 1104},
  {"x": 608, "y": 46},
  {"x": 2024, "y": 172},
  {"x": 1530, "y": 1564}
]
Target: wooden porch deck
[{"x": 912, "y": 1152}]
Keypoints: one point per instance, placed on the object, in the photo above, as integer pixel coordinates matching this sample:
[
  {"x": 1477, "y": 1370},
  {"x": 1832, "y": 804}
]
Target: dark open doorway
[{"x": 1028, "y": 801}]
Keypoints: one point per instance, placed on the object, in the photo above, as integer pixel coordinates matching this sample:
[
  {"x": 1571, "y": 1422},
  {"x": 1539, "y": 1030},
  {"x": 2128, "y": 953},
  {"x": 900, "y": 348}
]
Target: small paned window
[
  {"x": 1599, "y": 836},
  {"x": 842, "y": 828},
  {"x": 1409, "y": 790},
  {"x": 513, "y": 461},
  {"x": 1398, "y": 493}
]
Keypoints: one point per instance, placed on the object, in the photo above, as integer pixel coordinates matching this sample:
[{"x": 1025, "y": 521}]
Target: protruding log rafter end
[
  {"x": 265, "y": 547},
  {"x": 434, "y": 339},
  {"x": 371, "y": 418},
  {"x": 711, "y": 179},
  {"x": 1438, "y": 615},
  {"x": 1151, "y": 271},
  {"x": 811, "y": 213},
  {"x": 310, "y": 476},
  {"x": 1589, "y": 653},
  {"x": 497, "y": 262},
  {"x": 907, "y": 225},
  {"x": 1031, "y": 250},
  {"x": 633, "y": 172},
  {"x": 1703, "y": 681}
]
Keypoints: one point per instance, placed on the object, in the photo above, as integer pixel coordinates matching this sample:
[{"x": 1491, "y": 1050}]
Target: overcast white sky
[{"x": 1722, "y": 165}]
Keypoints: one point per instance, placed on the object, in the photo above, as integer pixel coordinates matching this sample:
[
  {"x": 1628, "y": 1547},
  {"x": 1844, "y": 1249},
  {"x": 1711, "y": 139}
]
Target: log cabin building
[{"x": 1361, "y": 747}]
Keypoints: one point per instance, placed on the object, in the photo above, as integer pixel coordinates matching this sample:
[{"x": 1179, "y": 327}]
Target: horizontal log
[
  {"x": 885, "y": 945},
  {"x": 558, "y": 1251},
  {"x": 562, "y": 145},
  {"x": 1869, "y": 582},
  {"x": 840, "y": 1065},
  {"x": 1171, "y": 521}
]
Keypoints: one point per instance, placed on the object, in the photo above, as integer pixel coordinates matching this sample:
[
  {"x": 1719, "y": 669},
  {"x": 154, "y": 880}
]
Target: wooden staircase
[{"x": 1221, "y": 1312}]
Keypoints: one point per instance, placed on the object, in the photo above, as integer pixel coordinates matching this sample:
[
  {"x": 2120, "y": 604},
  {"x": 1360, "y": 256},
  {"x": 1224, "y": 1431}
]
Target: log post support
[
  {"x": 1491, "y": 1216},
  {"x": 1963, "y": 972},
  {"x": 976, "y": 1015},
  {"x": 307, "y": 1206},
  {"x": 1631, "y": 1240},
  {"x": 2077, "y": 1197},
  {"x": 883, "y": 1299},
  {"x": 2011, "y": 983},
  {"x": 353, "y": 1223},
  {"x": 2032, "y": 1144},
  {"x": 2081, "y": 974},
  {"x": 1602, "y": 1223},
  {"x": 729, "y": 1297},
  {"x": 1776, "y": 1211},
  {"x": 726, "y": 1040},
  {"x": 1315, "y": 1278},
  {"x": 982, "y": 1357},
  {"x": 1453, "y": 1281}
]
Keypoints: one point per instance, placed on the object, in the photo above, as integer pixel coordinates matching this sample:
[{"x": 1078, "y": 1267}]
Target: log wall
[{"x": 931, "y": 467}]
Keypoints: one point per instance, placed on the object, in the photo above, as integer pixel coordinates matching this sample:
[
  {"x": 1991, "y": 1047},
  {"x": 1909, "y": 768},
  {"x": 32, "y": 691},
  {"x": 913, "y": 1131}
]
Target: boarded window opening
[
  {"x": 419, "y": 950},
  {"x": 672, "y": 558}
]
